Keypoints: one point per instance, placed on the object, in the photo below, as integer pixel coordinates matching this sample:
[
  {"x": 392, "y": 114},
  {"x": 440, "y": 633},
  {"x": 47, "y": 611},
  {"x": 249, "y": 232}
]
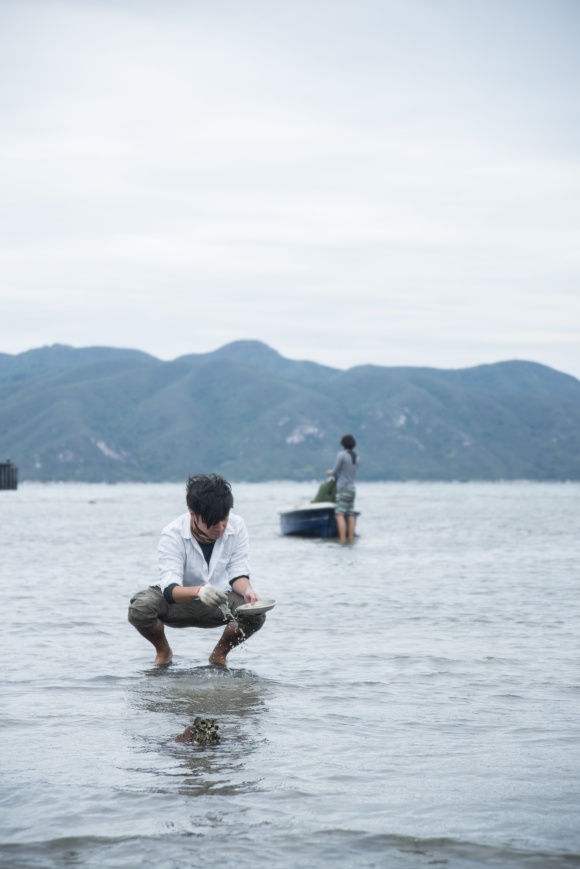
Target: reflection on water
[{"x": 235, "y": 698}]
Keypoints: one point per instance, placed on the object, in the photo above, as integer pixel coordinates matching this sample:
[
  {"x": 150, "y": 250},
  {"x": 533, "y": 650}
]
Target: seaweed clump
[{"x": 203, "y": 731}]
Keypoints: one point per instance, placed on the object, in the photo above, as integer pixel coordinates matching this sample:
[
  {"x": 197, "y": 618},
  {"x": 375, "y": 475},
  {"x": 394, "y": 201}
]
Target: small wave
[{"x": 262, "y": 846}]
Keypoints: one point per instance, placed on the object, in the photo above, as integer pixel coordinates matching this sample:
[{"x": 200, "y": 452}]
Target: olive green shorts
[{"x": 149, "y": 605}]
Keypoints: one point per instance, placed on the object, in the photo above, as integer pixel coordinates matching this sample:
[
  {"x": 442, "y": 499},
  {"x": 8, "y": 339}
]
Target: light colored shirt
[
  {"x": 181, "y": 560},
  {"x": 344, "y": 470}
]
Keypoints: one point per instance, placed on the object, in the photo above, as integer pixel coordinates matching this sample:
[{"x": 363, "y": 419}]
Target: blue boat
[{"x": 311, "y": 520}]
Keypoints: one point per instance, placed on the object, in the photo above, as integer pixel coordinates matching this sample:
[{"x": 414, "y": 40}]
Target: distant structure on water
[{"x": 8, "y": 475}]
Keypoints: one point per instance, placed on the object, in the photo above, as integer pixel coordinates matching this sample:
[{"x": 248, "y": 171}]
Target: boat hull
[{"x": 309, "y": 521}]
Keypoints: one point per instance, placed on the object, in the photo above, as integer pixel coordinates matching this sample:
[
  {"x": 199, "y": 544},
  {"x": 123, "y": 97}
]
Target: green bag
[{"x": 326, "y": 492}]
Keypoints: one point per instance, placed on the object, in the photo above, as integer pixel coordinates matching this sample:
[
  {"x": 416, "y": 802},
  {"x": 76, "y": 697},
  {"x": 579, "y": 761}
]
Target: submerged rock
[{"x": 203, "y": 731}]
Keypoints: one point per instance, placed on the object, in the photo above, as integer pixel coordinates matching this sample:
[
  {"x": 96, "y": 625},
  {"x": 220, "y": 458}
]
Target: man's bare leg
[
  {"x": 231, "y": 637},
  {"x": 351, "y": 524},
  {"x": 341, "y": 525},
  {"x": 156, "y": 636}
]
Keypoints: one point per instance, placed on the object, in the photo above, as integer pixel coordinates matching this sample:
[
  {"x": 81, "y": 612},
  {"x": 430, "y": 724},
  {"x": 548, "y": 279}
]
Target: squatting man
[{"x": 203, "y": 565}]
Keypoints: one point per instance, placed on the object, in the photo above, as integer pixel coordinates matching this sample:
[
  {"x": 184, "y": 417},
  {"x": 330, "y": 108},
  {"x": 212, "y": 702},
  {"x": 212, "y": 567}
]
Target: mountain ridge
[{"x": 108, "y": 414}]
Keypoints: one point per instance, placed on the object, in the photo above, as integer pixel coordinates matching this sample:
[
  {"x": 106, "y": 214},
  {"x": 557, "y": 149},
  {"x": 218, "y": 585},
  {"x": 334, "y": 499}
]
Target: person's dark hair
[
  {"x": 210, "y": 497},
  {"x": 349, "y": 443}
]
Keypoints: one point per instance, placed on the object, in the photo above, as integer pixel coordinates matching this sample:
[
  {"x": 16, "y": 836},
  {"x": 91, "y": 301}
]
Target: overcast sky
[{"x": 350, "y": 181}]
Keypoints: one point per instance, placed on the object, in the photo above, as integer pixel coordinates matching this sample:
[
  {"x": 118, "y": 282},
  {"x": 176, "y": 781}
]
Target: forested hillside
[{"x": 101, "y": 414}]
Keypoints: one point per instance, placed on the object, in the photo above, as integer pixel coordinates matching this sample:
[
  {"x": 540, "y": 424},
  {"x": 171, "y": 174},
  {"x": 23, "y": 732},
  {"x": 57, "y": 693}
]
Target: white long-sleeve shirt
[{"x": 181, "y": 560}]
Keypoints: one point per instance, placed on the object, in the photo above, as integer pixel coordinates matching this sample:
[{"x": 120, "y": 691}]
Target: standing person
[
  {"x": 203, "y": 564},
  {"x": 345, "y": 468}
]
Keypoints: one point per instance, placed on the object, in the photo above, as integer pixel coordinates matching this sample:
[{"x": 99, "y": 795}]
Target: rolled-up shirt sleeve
[
  {"x": 171, "y": 559},
  {"x": 239, "y": 561}
]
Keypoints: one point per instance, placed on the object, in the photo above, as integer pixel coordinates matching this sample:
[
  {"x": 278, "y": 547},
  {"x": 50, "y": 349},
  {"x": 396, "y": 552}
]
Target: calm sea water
[{"x": 412, "y": 701}]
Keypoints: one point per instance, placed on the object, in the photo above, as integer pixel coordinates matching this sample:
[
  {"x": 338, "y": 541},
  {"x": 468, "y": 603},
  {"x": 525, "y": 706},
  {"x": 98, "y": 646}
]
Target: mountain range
[{"x": 245, "y": 411}]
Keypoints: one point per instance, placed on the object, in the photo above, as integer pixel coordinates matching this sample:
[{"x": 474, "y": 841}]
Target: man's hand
[
  {"x": 242, "y": 586},
  {"x": 211, "y": 596},
  {"x": 250, "y": 595}
]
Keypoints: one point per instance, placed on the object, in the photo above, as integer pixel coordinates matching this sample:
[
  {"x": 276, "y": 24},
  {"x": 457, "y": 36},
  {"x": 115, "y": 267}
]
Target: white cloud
[{"x": 387, "y": 182}]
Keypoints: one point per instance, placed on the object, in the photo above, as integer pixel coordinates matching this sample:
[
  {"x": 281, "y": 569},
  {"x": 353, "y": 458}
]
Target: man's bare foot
[
  {"x": 162, "y": 659},
  {"x": 231, "y": 637},
  {"x": 218, "y": 659},
  {"x": 156, "y": 636}
]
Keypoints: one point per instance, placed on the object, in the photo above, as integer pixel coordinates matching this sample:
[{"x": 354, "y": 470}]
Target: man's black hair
[
  {"x": 210, "y": 497},
  {"x": 349, "y": 443}
]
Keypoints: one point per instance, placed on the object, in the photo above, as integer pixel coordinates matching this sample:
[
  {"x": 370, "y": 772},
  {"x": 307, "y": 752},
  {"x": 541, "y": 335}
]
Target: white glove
[{"x": 211, "y": 596}]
